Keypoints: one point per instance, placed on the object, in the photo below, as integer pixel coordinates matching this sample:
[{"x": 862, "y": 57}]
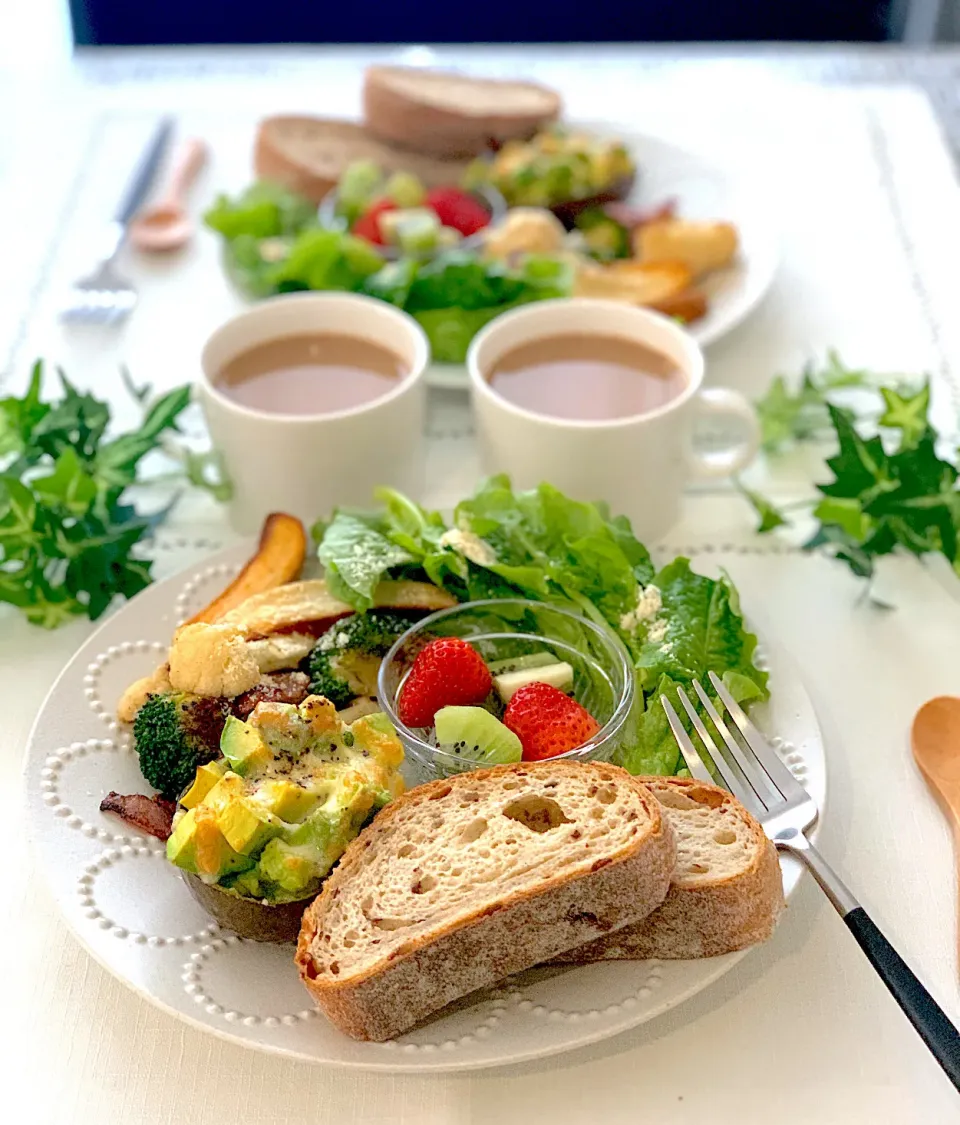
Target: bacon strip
[{"x": 151, "y": 815}]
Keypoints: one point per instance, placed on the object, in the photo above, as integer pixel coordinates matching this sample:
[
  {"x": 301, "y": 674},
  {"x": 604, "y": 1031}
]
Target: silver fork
[
  {"x": 753, "y": 772},
  {"x": 103, "y": 296}
]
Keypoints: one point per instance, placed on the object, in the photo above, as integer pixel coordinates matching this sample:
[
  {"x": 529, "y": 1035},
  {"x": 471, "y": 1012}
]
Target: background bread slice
[
  {"x": 464, "y": 881},
  {"x": 309, "y": 154},
  {"x": 448, "y": 114},
  {"x": 726, "y": 894}
]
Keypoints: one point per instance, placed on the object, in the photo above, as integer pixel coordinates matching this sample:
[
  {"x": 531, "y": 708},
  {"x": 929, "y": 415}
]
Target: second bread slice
[
  {"x": 727, "y": 891},
  {"x": 462, "y": 882}
]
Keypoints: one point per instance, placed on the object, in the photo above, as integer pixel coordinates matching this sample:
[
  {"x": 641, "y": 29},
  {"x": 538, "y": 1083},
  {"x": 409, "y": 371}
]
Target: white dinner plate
[
  {"x": 132, "y": 911},
  {"x": 703, "y": 190}
]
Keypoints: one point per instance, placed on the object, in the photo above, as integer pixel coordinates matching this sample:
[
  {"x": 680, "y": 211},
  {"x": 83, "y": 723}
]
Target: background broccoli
[
  {"x": 174, "y": 732},
  {"x": 345, "y": 660}
]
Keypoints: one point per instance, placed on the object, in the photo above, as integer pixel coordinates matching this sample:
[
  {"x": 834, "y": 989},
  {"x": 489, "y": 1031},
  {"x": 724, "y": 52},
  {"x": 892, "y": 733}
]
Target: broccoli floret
[
  {"x": 174, "y": 732},
  {"x": 345, "y": 660}
]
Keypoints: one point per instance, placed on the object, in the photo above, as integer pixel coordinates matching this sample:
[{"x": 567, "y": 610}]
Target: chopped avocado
[
  {"x": 248, "y": 883},
  {"x": 558, "y": 675},
  {"x": 374, "y": 734},
  {"x": 473, "y": 733},
  {"x": 197, "y": 845},
  {"x": 286, "y": 799},
  {"x": 281, "y": 727},
  {"x": 308, "y": 781},
  {"x": 290, "y": 867},
  {"x": 317, "y": 830},
  {"x": 243, "y": 747},
  {"x": 247, "y": 826},
  {"x": 226, "y": 789},
  {"x": 207, "y": 777},
  {"x": 518, "y": 663}
]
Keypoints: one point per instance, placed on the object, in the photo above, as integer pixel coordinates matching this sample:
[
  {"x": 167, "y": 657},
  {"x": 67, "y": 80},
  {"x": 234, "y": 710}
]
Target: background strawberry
[
  {"x": 458, "y": 209},
  {"x": 447, "y": 672},
  {"x": 547, "y": 722}
]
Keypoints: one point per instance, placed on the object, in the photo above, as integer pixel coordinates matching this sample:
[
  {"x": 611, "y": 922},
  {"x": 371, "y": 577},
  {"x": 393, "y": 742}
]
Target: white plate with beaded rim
[
  {"x": 704, "y": 189},
  {"x": 133, "y": 913}
]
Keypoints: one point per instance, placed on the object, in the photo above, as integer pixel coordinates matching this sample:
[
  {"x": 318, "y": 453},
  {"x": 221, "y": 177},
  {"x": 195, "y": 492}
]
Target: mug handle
[{"x": 716, "y": 402}]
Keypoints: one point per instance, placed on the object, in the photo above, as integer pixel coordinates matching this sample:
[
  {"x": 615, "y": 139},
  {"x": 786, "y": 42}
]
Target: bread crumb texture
[
  {"x": 715, "y": 841},
  {"x": 454, "y": 848}
]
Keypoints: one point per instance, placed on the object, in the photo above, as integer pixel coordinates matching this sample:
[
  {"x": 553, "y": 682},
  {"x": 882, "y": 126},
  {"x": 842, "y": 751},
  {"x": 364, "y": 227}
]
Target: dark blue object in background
[{"x": 156, "y": 22}]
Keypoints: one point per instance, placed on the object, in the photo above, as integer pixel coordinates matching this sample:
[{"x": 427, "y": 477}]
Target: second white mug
[{"x": 637, "y": 464}]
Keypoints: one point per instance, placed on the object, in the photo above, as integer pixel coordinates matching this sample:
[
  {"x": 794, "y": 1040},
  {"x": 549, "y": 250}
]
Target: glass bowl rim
[{"x": 427, "y": 753}]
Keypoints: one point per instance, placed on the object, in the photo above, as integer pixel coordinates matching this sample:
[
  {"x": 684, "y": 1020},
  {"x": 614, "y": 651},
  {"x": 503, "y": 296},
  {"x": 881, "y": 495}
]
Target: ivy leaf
[
  {"x": 68, "y": 541},
  {"x": 68, "y": 485},
  {"x": 861, "y": 465},
  {"x": 115, "y": 464},
  {"x": 906, "y": 412},
  {"x": 770, "y": 516},
  {"x": 787, "y": 417}
]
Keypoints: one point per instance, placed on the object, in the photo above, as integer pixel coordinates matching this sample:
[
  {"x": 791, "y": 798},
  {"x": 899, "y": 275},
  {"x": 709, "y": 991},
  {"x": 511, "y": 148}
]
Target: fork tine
[
  {"x": 768, "y": 758},
  {"x": 687, "y": 749},
  {"x": 738, "y": 785},
  {"x": 767, "y": 792}
]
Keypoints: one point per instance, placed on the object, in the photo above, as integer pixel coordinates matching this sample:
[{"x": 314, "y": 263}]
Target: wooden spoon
[
  {"x": 935, "y": 738},
  {"x": 166, "y": 225}
]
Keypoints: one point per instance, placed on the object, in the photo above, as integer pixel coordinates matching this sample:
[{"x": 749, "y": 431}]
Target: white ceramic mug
[
  {"x": 308, "y": 464},
  {"x": 637, "y": 464}
]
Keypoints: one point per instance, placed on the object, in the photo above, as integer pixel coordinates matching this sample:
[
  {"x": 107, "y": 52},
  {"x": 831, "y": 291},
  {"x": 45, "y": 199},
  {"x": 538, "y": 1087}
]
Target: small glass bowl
[
  {"x": 505, "y": 628},
  {"x": 486, "y": 195}
]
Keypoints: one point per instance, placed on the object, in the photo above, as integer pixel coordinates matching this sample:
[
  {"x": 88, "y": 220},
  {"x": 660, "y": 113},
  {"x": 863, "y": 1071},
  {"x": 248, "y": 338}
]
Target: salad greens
[
  {"x": 456, "y": 293},
  {"x": 540, "y": 544},
  {"x": 274, "y": 243},
  {"x": 68, "y": 533}
]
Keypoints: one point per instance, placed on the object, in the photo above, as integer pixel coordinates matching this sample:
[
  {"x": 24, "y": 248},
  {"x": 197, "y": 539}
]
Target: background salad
[
  {"x": 274, "y": 243},
  {"x": 540, "y": 544}
]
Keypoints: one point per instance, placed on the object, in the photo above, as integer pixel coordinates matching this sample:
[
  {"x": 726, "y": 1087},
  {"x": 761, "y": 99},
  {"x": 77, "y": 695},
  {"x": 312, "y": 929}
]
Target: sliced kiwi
[
  {"x": 521, "y": 663},
  {"x": 473, "y": 733},
  {"x": 558, "y": 674}
]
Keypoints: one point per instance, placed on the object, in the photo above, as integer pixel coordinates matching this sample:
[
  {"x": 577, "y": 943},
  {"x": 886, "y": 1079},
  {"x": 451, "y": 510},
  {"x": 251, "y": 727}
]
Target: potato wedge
[
  {"x": 279, "y": 559},
  {"x": 700, "y": 246},
  {"x": 634, "y": 282},
  {"x": 686, "y": 306}
]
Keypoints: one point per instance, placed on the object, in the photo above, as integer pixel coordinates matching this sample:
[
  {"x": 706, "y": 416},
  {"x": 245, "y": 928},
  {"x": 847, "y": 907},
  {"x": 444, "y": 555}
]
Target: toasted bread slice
[
  {"x": 309, "y": 604},
  {"x": 726, "y": 894},
  {"x": 464, "y": 881},
  {"x": 450, "y": 115},
  {"x": 309, "y": 154}
]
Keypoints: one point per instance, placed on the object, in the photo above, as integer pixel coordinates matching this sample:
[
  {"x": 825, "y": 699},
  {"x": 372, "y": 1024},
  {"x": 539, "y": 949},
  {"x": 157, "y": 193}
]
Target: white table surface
[{"x": 801, "y": 1030}]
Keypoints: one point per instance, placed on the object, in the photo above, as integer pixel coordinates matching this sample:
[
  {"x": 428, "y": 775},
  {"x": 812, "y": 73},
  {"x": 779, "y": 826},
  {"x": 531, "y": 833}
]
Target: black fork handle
[
  {"x": 918, "y": 1005},
  {"x": 920, "y": 1008}
]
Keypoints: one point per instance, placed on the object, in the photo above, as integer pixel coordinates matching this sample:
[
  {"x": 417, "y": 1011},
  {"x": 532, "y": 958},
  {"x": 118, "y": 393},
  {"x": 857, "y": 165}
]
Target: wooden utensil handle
[{"x": 189, "y": 160}]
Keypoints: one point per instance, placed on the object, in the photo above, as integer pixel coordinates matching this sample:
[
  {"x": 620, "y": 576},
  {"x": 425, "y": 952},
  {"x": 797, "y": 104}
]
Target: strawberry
[
  {"x": 547, "y": 722},
  {"x": 368, "y": 225},
  {"x": 458, "y": 209},
  {"x": 446, "y": 671}
]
